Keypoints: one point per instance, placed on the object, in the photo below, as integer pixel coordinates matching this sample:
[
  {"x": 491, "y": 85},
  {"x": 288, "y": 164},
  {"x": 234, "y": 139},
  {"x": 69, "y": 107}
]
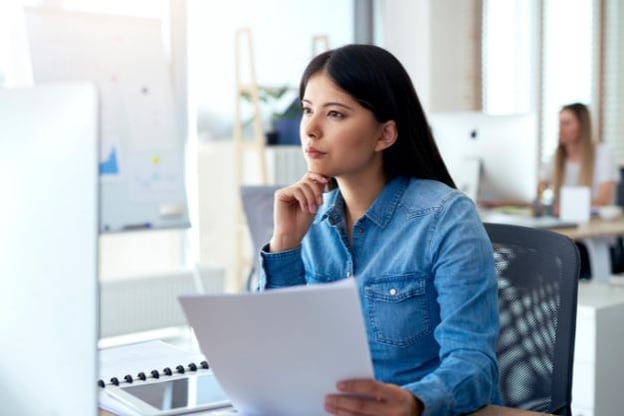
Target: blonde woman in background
[{"x": 579, "y": 161}]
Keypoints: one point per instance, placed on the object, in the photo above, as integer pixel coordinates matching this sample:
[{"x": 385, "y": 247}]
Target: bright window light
[
  {"x": 567, "y": 63},
  {"x": 509, "y": 51}
]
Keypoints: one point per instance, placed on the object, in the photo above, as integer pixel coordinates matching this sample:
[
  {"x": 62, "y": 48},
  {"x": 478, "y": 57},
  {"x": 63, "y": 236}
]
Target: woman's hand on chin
[{"x": 294, "y": 210}]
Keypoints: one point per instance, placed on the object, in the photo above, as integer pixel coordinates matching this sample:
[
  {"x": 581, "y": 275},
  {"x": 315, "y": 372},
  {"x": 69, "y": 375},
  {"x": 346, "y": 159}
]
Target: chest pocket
[{"x": 398, "y": 313}]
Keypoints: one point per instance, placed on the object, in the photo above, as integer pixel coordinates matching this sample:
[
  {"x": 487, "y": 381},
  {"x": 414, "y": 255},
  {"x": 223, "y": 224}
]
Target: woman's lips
[{"x": 314, "y": 153}]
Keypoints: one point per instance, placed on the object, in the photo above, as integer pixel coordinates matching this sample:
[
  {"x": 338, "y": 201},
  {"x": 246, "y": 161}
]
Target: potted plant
[{"x": 284, "y": 114}]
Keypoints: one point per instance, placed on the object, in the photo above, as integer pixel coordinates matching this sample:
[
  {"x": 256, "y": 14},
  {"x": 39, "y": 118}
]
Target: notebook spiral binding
[{"x": 155, "y": 374}]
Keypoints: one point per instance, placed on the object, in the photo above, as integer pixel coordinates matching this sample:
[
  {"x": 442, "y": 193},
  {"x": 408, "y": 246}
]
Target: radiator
[{"x": 145, "y": 303}]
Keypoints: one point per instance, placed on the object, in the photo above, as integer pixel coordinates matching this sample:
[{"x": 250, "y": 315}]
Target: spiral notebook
[{"x": 156, "y": 378}]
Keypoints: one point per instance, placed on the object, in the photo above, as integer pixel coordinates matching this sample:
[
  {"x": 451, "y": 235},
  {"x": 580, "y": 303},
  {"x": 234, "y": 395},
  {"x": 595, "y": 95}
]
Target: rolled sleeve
[
  {"x": 434, "y": 395},
  {"x": 464, "y": 383}
]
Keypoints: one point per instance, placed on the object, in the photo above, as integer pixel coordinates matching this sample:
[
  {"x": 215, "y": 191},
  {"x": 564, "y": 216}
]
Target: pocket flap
[{"x": 396, "y": 289}]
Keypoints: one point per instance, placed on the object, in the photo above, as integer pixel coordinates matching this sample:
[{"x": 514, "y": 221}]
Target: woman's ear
[{"x": 388, "y": 136}]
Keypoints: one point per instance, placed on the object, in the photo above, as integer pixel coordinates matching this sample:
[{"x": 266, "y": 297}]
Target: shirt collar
[{"x": 380, "y": 212}]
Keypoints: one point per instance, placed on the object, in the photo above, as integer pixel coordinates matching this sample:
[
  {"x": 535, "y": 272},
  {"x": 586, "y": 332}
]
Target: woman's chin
[{"x": 318, "y": 168}]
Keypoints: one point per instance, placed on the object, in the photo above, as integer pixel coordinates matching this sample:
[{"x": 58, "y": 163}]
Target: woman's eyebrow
[{"x": 329, "y": 104}]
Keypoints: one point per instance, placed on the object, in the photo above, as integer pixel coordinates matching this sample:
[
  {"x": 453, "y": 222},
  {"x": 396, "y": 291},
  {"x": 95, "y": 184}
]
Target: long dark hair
[
  {"x": 378, "y": 81},
  {"x": 588, "y": 149}
]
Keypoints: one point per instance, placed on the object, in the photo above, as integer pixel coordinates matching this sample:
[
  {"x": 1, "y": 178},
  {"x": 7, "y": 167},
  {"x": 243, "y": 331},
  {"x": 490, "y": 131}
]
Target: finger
[
  {"x": 340, "y": 404},
  {"x": 321, "y": 181},
  {"x": 318, "y": 177},
  {"x": 318, "y": 187},
  {"x": 305, "y": 195},
  {"x": 313, "y": 193},
  {"x": 286, "y": 196},
  {"x": 372, "y": 388}
]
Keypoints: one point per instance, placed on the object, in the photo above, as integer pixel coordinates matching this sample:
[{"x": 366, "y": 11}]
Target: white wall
[
  {"x": 455, "y": 55},
  {"x": 438, "y": 43},
  {"x": 406, "y": 32}
]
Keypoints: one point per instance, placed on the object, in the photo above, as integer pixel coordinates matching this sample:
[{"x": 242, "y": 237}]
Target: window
[
  {"x": 613, "y": 79},
  {"x": 539, "y": 55},
  {"x": 14, "y": 60},
  {"x": 567, "y": 63},
  {"x": 509, "y": 60}
]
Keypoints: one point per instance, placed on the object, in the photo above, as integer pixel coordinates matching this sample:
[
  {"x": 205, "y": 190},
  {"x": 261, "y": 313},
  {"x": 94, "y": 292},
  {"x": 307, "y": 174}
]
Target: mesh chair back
[
  {"x": 258, "y": 208},
  {"x": 538, "y": 272}
]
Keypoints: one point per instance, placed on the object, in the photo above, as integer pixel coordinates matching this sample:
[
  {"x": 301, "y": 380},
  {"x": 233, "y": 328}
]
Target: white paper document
[
  {"x": 575, "y": 203},
  {"x": 280, "y": 352}
]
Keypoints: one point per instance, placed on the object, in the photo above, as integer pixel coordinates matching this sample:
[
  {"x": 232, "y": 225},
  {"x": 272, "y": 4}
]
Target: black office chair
[
  {"x": 617, "y": 249},
  {"x": 257, "y": 203},
  {"x": 620, "y": 188},
  {"x": 538, "y": 273}
]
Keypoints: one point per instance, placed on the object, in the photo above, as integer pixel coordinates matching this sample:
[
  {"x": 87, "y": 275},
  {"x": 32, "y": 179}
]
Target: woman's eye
[
  {"x": 335, "y": 114},
  {"x": 306, "y": 110}
]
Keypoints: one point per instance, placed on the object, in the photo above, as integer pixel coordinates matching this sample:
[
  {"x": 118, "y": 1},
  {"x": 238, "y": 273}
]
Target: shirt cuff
[
  {"x": 434, "y": 395},
  {"x": 284, "y": 268}
]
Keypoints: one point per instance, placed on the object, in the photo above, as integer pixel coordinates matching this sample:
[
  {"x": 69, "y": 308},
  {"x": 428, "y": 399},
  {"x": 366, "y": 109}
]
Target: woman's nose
[{"x": 310, "y": 127}]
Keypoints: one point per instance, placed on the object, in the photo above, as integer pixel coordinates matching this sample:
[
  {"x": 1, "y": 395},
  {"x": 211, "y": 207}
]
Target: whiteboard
[{"x": 141, "y": 151}]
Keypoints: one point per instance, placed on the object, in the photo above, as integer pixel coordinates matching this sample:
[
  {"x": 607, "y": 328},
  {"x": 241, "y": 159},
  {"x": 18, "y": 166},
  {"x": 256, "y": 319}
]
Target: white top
[{"x": 605, "y": 170}]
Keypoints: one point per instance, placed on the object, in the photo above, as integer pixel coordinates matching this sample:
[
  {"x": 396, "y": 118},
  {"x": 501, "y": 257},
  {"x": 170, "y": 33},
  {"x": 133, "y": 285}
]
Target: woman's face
[
  {"x": 568, "y": 127},
  {"x": 339, "y": 137}
]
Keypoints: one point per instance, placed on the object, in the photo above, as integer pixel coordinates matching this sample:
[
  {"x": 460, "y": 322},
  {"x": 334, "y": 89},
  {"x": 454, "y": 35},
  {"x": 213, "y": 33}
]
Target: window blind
[{"x": 612, "y": 123}]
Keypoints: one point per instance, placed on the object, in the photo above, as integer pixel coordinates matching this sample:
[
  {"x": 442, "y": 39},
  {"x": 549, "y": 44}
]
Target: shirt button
[
  {"x": 392, "y": 291},
  {"x": 361, "y": 230}
]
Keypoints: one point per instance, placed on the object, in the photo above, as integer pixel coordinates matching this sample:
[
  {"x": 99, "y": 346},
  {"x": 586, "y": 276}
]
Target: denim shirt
[{"x": 424, "y": 268}]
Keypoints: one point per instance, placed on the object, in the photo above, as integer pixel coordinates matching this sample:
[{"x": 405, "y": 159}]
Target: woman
[
  {"x": 578, "y": 161},
  {"x": 392, "y": 219}
]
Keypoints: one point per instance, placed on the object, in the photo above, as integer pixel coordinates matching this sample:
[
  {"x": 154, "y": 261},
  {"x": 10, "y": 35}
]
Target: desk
[
  {"x": 486, "y": 411},
  {"x": 595, "y": 228},
  {"x": 504, "y": 411},
  {"x": 598, "y": 366},
  {"x": 598, "y": 236}
]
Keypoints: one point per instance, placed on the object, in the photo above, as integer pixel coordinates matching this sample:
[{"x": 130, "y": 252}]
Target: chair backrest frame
[
  {"x": 563, "y": 250},
  {"x": 620, "y": 189},
  {"x": 257, "y": 202}
]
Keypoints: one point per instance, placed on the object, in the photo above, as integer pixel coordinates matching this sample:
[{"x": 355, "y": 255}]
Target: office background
[{"x": 499, "y": 56}]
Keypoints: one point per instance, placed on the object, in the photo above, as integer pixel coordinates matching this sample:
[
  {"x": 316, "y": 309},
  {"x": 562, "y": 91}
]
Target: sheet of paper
[
  {"x": 575, "y": 203},
  {"x": 282, "y": 351}
]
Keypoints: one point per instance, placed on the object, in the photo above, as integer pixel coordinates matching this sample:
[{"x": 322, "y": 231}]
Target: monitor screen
[
  {"x": 503, "y": 147},
  {"x": 48, "y": 241}
]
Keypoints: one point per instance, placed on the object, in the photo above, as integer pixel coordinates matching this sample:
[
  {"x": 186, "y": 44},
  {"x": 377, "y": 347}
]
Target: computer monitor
[
  {"x": 502, "y": 148},
  {"x": 48, "y": 250}
]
